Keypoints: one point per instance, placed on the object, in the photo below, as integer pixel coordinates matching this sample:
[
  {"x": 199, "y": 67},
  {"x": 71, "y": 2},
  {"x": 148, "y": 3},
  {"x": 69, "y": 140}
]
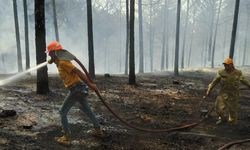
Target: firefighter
[
  {"x": 227, "y": 101},
  {"x": 75, "y": 81}
]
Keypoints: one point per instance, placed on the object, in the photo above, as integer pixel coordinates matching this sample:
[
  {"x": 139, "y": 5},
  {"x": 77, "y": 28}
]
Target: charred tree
[
  {"x": 42, "y": 74},
  {"x": 141, "y": 54},
  {"x": 151, "y": 37},
  {"x": 184, "y": 38},
  {"x": 55, "y": 20},
  {"x": 246, "y": 38},
  {"x": 234, "y": 30},
  {"x": 127, "y": 37},
  {"x": 215, "y": 34},
  {"x": 90, "y": 40},
  {"x": 18, "y": 43},
  {"x": 132, "y": 80},
  {"x": 176, "y": 61},
  {"x": 164, "y": 37},
  {"x": 26, "y": 32},
  {"x": 211, "y": 28}
]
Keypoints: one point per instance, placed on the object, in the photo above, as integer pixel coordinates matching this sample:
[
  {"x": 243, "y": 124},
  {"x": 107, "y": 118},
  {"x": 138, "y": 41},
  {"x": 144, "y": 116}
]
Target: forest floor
[{"x": 159, "y": 100}]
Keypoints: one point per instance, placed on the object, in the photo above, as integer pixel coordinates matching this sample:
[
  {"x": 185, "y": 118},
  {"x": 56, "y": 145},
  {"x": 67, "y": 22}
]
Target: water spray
[{"x": 19, "y": 75}]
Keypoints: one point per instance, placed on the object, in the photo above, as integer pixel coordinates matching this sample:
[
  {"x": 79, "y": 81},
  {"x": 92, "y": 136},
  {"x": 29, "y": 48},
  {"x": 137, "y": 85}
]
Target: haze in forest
[{"x": 198, "y": 22}]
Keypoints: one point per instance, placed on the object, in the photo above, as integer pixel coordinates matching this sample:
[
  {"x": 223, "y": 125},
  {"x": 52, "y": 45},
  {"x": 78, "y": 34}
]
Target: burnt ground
[{"x": 158, "y": 101}]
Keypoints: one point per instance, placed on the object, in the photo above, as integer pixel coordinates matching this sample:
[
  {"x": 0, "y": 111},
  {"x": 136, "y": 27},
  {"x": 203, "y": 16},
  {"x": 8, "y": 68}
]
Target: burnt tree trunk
[
  {"x": 215, "y": 34},
  {"x": 141, "y": 54},
  {"x": 127, "y": 37},
  {"x": 18, "y": 43},
  {"x": 42, "y": 74},
  {"x": 184, "y": 38},
  {"x": 26, "y": 32},
  {"x": 132, "y": 80},
  {"x": 90, "y": 40},
  {"x": 234, "y": 30},
  {"x": 164, "y": 37},
  {"x": 176, "y": 61}
]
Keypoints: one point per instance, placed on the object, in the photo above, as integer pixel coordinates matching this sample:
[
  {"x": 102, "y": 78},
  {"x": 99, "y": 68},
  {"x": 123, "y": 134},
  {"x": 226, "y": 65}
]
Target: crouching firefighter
[
  {"x": 227, "y": 101},
  {"x": 74, "y": 80}
]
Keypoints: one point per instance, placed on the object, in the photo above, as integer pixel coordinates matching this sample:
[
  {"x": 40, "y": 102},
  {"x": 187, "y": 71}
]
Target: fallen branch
[{"x": 233, "y": 143}]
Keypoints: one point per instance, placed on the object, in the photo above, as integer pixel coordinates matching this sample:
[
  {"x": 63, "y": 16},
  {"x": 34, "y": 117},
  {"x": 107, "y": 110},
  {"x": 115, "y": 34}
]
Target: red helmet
[{"x": 53, "y": 46}]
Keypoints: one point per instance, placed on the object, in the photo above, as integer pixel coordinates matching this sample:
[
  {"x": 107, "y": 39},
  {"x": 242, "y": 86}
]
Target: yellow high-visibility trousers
[{"x": 227, "y": 107}]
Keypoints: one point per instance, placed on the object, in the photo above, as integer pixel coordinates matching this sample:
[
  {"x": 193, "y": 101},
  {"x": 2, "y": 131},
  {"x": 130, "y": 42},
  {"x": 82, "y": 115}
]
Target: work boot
[
  {"x": 64, "y": 140},
  {"x": 96, "y": 132}
]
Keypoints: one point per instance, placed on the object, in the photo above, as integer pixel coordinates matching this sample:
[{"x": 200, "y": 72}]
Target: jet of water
[{"x": 19, "y": 75}]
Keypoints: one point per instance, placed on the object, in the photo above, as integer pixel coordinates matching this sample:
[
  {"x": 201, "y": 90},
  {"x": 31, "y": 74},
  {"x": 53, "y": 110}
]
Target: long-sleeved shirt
[{"x": 229, "y": 82}]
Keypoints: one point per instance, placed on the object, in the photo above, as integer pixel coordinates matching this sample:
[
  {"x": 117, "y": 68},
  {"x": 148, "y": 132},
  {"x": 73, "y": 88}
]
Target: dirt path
[{"x": 159, "y": 101}]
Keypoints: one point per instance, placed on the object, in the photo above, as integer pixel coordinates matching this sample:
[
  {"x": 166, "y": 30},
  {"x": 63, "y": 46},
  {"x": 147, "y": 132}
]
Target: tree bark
[
  {"x": 234, "y": 30},
  {"x": 18, "y": 43},
  {"x": 90, "y": 40},
  {"x": 132, "y": 80},
  {"x": 42, "y": 74},
  {"x": 176, "y": 63},
  {"x": 26, "y": 31}
]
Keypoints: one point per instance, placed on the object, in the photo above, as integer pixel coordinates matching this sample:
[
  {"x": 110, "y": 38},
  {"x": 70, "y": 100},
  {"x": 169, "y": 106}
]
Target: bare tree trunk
[
  {"x": 141, "y": 54},
  {"x": 26, "y": 31},
  {"x": 42, "y": 74},
  {"x": 234, "y": 30},
  {"x": 164, "y": 37},
  {"x": 211, "y": 32},
  {"x": 167, "y": 42},
  {"x": 150, "y": 37},
  {"x": 176, "y": 64},
  {"x": 184, "y": 38},
  {"x": 90, "y": 40},
  {"x": 215, "y": 34},
  {"x": 127, "y": 37},
  {"x": 246, "y": 39},
  {"x": 18, "y": 43},
  {"x": 224, "y": 42},
  {"x": 132, "y": 77},
  {"x": 55, "y": 20}
]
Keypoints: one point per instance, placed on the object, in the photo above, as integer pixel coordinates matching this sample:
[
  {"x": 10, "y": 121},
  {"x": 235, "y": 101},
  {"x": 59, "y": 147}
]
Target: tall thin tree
[
  {"x": 184, "y": 38},
  {"x": 164, "y": 37},
  {"x": 246, "y": 36},
  {"x": 234, "y": 30},
  {"x": 151, "y": 56},
  {"x": 127, "y": 37},
  {"x": 176, "y": 61},
  {"x": 215, "y": 33},
  {"x": 132, "y": 80},
  {"x": 42, "y": 74},
  {"x": 55, "y": 20},
  {"x": 26, "y": 31},
  {"x": 90, "y": 39},
  {"x": 18, "y": 43},
  {"x": 141, "y": 54}
]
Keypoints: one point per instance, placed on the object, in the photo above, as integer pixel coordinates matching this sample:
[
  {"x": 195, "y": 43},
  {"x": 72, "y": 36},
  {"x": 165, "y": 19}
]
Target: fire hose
[{"x": 135, "y": 127}]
